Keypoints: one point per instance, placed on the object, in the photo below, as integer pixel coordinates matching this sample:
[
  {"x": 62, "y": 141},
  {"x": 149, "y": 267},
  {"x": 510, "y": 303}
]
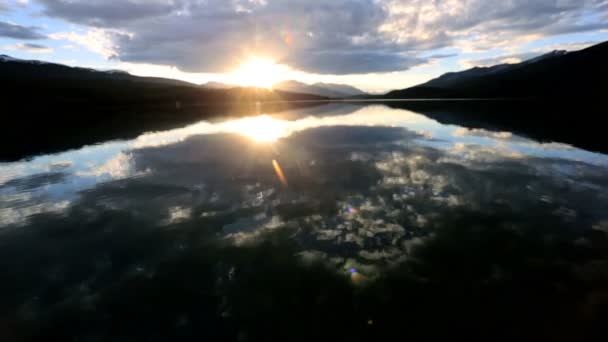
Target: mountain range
[
  {"x": 558, "y": 74},
  {"x": 57, "y": 84},
  {"x": 53, "y": 107},
  {"x": 331, "y": 90},
  {"x": 320, "y": 89},
  {"x": 34, "y": 70}
]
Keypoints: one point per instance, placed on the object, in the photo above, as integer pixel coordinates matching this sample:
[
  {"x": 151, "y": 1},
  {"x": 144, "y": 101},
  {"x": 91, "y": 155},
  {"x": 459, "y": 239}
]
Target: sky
[{"x": 376, "y": 45}]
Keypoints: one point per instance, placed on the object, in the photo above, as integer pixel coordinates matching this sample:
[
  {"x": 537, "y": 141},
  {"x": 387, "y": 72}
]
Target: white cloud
[
  {"x": 96, "y": 40},
  {"x": 146, "y": 69}
]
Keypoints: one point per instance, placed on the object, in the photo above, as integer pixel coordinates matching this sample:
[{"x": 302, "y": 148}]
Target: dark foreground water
[{"x": 341, "y": 222}]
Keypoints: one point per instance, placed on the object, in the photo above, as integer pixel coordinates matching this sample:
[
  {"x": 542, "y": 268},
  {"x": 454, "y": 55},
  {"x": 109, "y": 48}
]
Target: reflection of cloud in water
[
  {"x": 116, "y": 168},
  {"x": 347, "y": 114},
  {"x": 17, "y": 215},
  {"x": 177, "y": 214},
  {"x": 480, "y": 154},
  {"x": 361, "y": 186},
  {"x": 601, "y": 226},
  {"x": 33, "y": 182},
  {"x": 207, "y": 211},
  {"x": 477, "y": 132},
  {"x": 251, "y": 231}
]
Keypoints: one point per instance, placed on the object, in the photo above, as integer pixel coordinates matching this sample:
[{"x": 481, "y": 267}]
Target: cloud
[
  {"x": 318, "y": 36},
  {"x": 96, "y": 40},
  {"x": 485, "y": 24},
  {"x": 501, "y": 59},
  {"x": 15, "y": 31},
  {"x": 107, "y": 13},
  {"x": 29, "y": 183},
  {"x": 355, "y": 62},
  {"x": 513, "y": 58},
  {"x": 35, "y": 48},
  {"x": 442, "y": 55},
  {"x": 31, "y": 48},
  {"x": 6, "y": 6}
]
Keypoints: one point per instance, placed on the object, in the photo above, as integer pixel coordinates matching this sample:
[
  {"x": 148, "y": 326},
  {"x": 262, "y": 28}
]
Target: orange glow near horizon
[{"x": 258, "y": 72}]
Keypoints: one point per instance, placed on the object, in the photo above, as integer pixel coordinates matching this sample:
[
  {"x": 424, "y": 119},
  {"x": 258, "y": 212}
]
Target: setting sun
[{"x": 258, "y": 72}]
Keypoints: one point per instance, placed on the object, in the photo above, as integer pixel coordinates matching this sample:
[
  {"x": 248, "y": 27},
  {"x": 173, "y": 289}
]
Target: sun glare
[
  {"x": 263, "y": 129},
  {"x": 258, "y": 72}
]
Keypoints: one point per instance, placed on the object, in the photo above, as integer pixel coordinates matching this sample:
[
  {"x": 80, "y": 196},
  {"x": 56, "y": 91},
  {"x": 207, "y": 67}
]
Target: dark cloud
[
  {"x": 19, "y": 32},
  {"x": 34, "y": 46},
  {"x": 308, "y": 35},
  {"x": 106, "y": 13},
  {"x": 33, "y": 182},
  {"x": 328, "y": 37},
  {"x": 442, "y": 55},
  {"x": 356, "y": 62}
]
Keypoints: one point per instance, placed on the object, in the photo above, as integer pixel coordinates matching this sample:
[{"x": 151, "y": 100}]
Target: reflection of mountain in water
[
  {"x": 482, "y": 234},
  {"x": 51, "y": 107},
  {"x": 562, "y": 121}
]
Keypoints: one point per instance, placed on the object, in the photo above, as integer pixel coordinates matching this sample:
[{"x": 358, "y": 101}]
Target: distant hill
[
  {"x": 330, "y": 90},
  {"x": 320, "y": 89},
  {"x": 559, "y": 74}
]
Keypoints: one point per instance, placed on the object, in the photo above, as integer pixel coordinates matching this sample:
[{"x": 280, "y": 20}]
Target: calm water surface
[{"x": 345, "y": 221}]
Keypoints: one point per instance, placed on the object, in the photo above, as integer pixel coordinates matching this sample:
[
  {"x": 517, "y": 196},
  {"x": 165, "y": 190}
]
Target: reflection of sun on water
[
  {"x": 258, "y": 72},
  {"x": 260, "y": 128}
]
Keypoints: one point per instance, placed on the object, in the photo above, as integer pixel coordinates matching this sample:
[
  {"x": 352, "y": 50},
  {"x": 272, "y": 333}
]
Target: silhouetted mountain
[
  {"x": 320, "y": 89},
  {"x": 34, "y": 70},
  {"x": 48, "y": 106},
  {"x": 453, "y": 79},
  {"x": 58, "y": 83},
  {"x": 580, "y": 74}
]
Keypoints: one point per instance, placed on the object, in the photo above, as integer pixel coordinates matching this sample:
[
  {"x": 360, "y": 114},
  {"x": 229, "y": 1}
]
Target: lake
[{"x": 358, "y": 221}]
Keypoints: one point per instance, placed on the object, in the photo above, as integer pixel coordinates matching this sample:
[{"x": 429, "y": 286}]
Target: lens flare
[{"x": 279, "y": 172}]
